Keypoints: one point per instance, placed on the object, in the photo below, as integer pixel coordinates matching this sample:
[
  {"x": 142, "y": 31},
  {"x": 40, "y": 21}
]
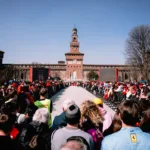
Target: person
[
  {"x": 60, "y": 120},
  {"x": 145, "y": 121},
  {"x": 7, "y": 122},
  {"x": 148, "y": 93},
  {"x": 120, "y": 88},
  {"x": 107, "y": 116},
  {"x": 92, "y": 121},
  {"x": 30, "y": 111},
  {"x": 2, "y": 96},
  {"x": 36, "y": 134},
  {"x": 80, "y": 140},
  {"x": 22, "y": 101},
  {"x": 118, "y": 92},
  {"x": 130, "y": 136},
  {"x": 111, "y": 92},
  {"x": 115, "y": 126},
  {"x": 144, "y": 105},
  {"x": 10, "y": 108},
  {"x": 91, "y": 115},
  {"x": 72, "y": 115},
  {"x": 11, "y": 96},
  {"x": 73, "y": 145},
  {"x": 129, "y": 92},
  {"x": 44, "y": 103}
]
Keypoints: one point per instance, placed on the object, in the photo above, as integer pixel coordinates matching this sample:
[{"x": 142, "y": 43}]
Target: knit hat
[
  {"x": 98, "y": 101},
  {"x": 73, "y": 114}
]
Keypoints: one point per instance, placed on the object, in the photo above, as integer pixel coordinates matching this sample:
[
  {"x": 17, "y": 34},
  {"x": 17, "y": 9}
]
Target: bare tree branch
[{"x": 137, "y": 50}]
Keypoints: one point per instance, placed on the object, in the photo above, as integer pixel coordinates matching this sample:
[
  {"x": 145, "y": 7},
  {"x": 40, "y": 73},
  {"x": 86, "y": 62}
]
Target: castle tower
[
  {"x": 1, "y": 57},
  {"x": 74, "y": 60}
]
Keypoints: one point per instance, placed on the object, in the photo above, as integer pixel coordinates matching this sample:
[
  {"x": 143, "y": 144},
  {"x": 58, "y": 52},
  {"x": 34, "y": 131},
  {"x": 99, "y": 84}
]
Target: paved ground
[{"x": 78, "y": 94}]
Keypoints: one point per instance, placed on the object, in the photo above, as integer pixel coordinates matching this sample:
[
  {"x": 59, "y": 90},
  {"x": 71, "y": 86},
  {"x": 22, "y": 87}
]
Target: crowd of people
[
  {"x": 26, "y": 121},
  {"x": 118, "y": 91}
]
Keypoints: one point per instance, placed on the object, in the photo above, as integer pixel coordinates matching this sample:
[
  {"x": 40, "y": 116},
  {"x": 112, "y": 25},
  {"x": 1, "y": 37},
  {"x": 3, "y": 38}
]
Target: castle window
[{"x": 21, "y": 75}]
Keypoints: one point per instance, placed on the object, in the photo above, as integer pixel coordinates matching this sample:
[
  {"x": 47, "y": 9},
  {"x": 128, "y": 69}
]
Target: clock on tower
[{"x": 74, "y": 49}]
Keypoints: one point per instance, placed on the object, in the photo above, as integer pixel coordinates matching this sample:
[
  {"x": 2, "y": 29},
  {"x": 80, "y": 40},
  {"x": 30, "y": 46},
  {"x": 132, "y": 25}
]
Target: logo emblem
[{"x": 133, "y": 138}]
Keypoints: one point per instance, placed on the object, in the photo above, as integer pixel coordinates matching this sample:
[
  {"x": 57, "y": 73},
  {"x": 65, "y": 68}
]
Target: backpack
[
  {"x": 97, "y": 137},
  {"x": 39, "y": 142},
  {"x": 33, "y": 138}
]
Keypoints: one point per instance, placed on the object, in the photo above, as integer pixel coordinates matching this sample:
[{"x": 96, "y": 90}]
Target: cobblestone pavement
[{"x": 78, "y": 94}]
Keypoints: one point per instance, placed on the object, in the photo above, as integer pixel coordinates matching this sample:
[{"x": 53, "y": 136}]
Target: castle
[{"x": 72, "y": 70}]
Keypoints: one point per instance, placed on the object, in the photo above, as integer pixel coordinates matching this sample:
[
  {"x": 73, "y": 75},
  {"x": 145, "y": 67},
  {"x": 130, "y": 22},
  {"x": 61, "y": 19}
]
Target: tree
[
  {"x": 92, "y": 75},
  {"x": 134, "y": 73},
  {"x": 137, "y": 50}
]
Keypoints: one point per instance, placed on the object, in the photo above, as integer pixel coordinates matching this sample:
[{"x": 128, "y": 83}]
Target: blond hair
[{"x": 90, "y": 111}]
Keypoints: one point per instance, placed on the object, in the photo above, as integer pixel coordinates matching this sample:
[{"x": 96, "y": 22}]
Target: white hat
[{"x": 67, "y": 103}]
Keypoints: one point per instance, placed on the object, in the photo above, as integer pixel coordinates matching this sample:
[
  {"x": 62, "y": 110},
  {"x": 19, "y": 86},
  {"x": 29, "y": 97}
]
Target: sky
[{"x": 40, "y": 30}]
